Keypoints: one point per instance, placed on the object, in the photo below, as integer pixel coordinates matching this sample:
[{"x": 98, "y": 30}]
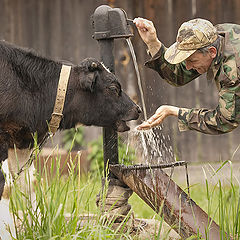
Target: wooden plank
[{"x": 62, "y": 29}]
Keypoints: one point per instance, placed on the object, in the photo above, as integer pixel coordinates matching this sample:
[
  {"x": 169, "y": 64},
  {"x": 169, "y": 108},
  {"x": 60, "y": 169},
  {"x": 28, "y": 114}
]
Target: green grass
[
  {"x": 75, "y": 195},
  {"x": 57, "y": 196}
]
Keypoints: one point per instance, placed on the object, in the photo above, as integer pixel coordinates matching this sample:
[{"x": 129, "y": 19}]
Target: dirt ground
[{"x": 141, "y": 229}]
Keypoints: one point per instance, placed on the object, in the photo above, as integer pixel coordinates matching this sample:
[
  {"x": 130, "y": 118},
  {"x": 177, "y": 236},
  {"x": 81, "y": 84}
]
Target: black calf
[{"x": 28, "y": 88}]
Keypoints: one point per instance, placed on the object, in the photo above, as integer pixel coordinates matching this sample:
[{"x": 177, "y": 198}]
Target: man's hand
[
  {"x": 148, "y": 34},
  {"x": 161, "y": 113}
]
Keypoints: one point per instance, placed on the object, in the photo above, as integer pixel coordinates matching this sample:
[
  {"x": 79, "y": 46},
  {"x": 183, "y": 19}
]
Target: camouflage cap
[{"x": 192, "y": 35}]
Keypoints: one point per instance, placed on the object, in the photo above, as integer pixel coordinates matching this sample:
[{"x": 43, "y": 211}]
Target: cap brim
[{"x": 173, "y": 55}]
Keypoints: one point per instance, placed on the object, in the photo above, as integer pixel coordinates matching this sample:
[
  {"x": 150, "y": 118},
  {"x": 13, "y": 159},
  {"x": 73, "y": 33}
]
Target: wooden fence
[{"x": 62, "y": 29}]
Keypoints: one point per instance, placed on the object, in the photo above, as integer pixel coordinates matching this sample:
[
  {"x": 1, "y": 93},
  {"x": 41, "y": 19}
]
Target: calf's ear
[
  {"x": 93, "y": 66},
  {"x": 89, "y": 81}
]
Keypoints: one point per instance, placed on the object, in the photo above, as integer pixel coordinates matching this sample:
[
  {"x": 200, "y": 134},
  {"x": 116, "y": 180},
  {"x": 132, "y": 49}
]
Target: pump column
[
  {"x": 109, "y": 23},
  {"x": 110, "y": 137}
]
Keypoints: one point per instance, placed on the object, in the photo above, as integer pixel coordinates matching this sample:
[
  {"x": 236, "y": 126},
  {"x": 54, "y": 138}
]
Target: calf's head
[{"x": 97, "y": 98}]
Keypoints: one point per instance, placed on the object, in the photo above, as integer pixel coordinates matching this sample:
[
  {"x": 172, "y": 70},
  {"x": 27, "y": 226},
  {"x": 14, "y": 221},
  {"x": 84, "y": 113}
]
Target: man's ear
[{"x": 213, "y": 52}]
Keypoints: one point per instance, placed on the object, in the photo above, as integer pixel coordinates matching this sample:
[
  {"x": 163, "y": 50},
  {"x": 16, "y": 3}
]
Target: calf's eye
[{"x": 115, "y": 90}]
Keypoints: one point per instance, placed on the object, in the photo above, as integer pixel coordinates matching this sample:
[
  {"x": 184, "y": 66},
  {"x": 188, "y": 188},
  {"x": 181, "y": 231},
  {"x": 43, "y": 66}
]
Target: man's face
[{"x": 201, "y": 61}]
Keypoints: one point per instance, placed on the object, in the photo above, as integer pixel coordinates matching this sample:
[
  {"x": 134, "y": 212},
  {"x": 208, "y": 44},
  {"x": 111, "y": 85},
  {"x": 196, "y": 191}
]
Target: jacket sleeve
[
  {"x": 223, "y": 119},
  {"x": 174, "y": 74}
]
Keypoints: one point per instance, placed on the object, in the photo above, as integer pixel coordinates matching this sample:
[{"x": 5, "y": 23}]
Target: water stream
[
  {"x": 138, "y": 76},
  {"x": 153, "y": 142}
]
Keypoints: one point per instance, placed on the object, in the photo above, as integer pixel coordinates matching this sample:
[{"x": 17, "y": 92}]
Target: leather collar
[{"x": 60, "y": 99}]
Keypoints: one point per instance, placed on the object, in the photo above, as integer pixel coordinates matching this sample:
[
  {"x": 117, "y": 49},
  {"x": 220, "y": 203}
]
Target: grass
[
  {"x": 56, "y": 196},
  {"x": 75, "y": 195}
]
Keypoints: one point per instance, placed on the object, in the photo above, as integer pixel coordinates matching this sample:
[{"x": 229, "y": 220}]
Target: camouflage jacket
[{"x": 225, "y": 71}]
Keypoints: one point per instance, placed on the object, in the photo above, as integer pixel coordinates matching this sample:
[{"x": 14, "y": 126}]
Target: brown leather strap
[{"x": 60, "y": 99}]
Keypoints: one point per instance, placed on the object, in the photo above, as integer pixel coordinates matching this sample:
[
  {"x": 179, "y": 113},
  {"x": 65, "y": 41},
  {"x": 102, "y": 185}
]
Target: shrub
[
  {"x": 73, "y": 138},
  {"x": 95, "y": 156}
]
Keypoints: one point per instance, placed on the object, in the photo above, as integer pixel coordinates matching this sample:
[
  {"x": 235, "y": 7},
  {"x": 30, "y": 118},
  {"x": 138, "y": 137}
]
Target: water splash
[
  {"x": 155, "y": 148},
  {"x": 138, "y": 76}
]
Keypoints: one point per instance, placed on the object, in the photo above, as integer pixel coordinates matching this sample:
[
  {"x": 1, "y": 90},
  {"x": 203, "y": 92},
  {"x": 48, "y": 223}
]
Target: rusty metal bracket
[
  {"x": 161, "y": 166},
  {"x": 177, "y": 208}
]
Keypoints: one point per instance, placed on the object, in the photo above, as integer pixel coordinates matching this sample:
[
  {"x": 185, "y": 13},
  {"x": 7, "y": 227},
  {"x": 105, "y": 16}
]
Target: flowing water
[
  {"x": 138, "y": 76},
  {"x": 155, "y": 147}
]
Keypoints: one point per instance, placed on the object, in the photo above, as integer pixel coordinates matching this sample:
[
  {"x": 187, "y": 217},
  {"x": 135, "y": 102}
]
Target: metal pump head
[{"x": 110, "y": 23}]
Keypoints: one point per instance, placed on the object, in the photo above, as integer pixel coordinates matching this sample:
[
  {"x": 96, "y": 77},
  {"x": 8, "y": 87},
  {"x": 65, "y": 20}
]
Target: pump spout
[{"x": 109, "y": 23}]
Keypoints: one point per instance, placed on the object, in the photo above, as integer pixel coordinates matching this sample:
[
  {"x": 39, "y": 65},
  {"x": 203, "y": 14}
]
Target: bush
[
  {"x": 73, "y": 138},
  {"x": 95, "y": 156}
]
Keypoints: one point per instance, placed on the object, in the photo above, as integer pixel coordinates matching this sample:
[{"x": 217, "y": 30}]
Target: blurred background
[{"x": 61, "y": 29}]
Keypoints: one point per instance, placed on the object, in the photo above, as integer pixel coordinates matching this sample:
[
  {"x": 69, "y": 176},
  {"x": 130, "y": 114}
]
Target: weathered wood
[{"x": 62, "y": 29}]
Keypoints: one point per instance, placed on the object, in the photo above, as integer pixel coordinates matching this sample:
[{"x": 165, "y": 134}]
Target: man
[{"x": 200, "y": 48}]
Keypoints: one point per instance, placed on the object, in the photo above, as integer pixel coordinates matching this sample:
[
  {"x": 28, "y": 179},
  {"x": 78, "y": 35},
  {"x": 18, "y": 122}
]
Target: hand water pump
[{"x": 109, "y": 24}]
